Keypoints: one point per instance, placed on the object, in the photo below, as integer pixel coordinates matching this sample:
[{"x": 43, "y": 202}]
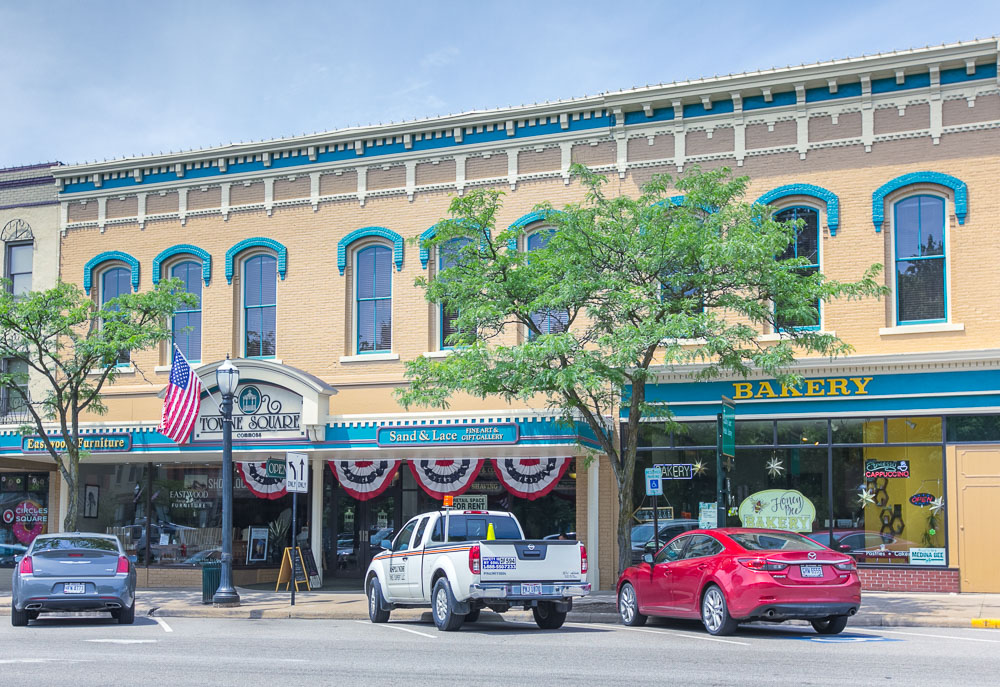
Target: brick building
[{"x": 298, "y": 250}]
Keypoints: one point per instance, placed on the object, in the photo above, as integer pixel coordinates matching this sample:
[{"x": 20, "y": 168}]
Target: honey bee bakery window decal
[{"x": 778, "y": 509}]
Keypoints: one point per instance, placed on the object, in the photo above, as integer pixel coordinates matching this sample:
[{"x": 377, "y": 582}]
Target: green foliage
[
  {"x": 643, "y": 282},
  {"x": 72, "y": 344}
]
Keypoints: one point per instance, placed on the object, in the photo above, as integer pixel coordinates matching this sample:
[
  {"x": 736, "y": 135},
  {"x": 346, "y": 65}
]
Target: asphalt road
[{"x": 81, "y": 651}]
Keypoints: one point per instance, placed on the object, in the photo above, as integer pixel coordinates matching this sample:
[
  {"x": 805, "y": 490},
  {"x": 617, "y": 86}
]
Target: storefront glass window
[
  {"x": 753, "y": 433},
  {"x": 858, "y": 430},
  {"x": 802, "y": 432},
  {"x": 914, "y": 430},
  {"x": 24, "y": 505},
  {"x": 694, "y": 434},
  {"x": 974, "y": 428}
]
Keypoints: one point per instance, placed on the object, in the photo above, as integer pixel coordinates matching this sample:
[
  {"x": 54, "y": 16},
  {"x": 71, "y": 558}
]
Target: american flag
[{"x": 183, "y": 400}]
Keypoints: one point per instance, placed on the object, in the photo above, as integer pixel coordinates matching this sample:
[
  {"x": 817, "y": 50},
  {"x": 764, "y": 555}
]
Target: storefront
[
  {"x": 893, "y": 461},
  {"x": 368, "y": 475}
]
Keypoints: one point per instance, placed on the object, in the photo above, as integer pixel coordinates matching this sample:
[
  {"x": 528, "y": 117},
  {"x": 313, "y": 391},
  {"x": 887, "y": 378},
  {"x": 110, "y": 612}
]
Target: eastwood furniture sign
[
  {"x": 448, "y": 435},
  {"x": 778, "y": 509},
  {"x": 832, "y": 386},
  {"x": 260, "y": 411},
  {"x": 95, "y": 443}
]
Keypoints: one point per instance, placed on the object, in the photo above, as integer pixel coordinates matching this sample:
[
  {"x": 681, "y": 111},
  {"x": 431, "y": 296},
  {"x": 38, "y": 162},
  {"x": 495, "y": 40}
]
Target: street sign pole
[
  {"x": 654, "y": 488},
  {"x": 725, "y": 424},
  {"x": 296, "y": 481},
  {"x": 295, "y": 504}
]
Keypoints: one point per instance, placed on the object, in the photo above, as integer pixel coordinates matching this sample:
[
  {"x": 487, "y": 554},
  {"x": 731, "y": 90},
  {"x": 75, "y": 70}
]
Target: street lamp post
[{"x": 228, "y": 378}]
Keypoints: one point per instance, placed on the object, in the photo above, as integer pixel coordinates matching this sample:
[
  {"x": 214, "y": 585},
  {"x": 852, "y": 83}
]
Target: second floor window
[
  {"x": 920, "y": 260},
  {"x": 18, "y": 261},
  {"x": 547, "y": 321},
  {"x": 449, "y": 315},
  {"x": 374, "y": 299},
  {"x": 806, "y": 247},
  {"x": 186, "y": 323},
  {"x": 115, "y": 282},
  {"x": 260, "y": 306},
  {"x": 12, "y": 400}
]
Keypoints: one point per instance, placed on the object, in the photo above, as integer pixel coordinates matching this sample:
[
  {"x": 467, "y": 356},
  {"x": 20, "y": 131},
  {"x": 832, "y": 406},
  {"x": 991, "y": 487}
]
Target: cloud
[{"x": 438, "y": 58}]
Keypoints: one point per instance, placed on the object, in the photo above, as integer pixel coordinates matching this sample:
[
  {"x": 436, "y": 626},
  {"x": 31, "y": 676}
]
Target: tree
[
  {"x": 635, "y": 283},
  {"x": 74, "y": 346}
]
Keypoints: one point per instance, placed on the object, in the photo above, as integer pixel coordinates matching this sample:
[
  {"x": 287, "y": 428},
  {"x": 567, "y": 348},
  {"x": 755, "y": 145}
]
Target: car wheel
[
  {"x": 547, "y": 617},
  {"x": 715, "y": 614},
  {"x": 376, "y": 603},
  {"x": 126, "y": 616},
  {"x": 18, "y": 618},
  {"x": 833, "y": 625},
  {"x": 628, "y": 607},
  {"x": 472, "y": 616},
  {"x": 443, "y": 608}
]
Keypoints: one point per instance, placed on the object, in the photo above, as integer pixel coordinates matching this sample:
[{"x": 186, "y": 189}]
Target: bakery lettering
[{"x": 831, "y": 386}]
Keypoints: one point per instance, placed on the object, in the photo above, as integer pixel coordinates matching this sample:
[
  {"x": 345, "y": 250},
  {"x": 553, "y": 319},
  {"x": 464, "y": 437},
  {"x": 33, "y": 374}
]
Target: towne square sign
[{"x": 260, "y": 411}]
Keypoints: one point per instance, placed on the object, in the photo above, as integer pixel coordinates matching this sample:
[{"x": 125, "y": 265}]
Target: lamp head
[{"x": 227, "y": 376}]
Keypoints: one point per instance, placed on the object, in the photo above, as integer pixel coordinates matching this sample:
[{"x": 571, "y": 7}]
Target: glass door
[{"x": 355, "y": 529}]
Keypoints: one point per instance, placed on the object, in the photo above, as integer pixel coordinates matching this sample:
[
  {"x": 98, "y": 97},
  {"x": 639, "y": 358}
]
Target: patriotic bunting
[
  {"x": 530, "y": 478},
  {"x": 364, "y": 479},
  {"x": 254, "y": 475},
  {"x": 440, "y": 478}
]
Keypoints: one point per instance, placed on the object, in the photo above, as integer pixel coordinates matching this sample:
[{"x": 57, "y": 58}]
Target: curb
[{"x": 992, "y": 623}]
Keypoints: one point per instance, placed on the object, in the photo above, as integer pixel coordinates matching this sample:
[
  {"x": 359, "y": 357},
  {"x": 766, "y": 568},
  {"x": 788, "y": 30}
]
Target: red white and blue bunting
[
  {"x": 364, "y": 479},
  {"x": 530, "y": 478},
  {"x": 254, "y": 475},
  {"x": 440, "y": 478}
]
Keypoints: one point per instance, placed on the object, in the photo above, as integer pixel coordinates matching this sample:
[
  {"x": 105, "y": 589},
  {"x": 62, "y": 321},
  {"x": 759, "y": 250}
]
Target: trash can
[{"x": 211, "y": 578}]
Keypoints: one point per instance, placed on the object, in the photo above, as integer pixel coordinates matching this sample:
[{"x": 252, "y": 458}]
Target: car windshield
[
  {"x": 774, "y": 541},
  {"x": 475, "y": 527},
  {"x": 642, "y": 533},
  {"x": 65, "y": 543}
]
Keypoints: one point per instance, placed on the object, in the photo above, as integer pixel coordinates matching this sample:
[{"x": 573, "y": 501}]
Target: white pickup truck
[{"x": 445, "y": 560}]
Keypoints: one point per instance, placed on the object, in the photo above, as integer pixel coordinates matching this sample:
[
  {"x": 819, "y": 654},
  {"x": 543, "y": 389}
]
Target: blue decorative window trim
[
  {"x": 530, "y": 218},
  {"x": 258, "y": 242},
  {"x": 818, "y": 192},
  {"x": 108, "y": 256},
  {"x": 957, "y": 185},
  {"x": 381, "y": 232},
  {"x": 425, "y": 254},
  {"x": 183, "y": 249}
]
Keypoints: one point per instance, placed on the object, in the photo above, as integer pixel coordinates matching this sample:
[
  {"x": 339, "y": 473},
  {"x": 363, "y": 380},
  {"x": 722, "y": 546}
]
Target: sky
[{"x": 102, "y": 79}]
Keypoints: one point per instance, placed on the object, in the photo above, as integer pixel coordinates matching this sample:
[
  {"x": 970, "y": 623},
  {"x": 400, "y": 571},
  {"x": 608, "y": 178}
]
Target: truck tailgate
[{"x": 527, "y": 560}]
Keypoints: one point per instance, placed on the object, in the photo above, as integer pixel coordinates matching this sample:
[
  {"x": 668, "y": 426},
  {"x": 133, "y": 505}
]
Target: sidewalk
[{"x": 878, "y": 609}]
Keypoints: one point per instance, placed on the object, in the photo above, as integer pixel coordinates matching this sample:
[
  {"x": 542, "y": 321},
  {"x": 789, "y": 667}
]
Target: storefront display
[{"x": 24, "y": 512}]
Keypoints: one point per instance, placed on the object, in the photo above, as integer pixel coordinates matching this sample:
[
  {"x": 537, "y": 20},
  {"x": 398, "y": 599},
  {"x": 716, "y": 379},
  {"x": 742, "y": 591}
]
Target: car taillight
[
  {"x": 122, "y": 564},
  {"x": 475, "y": 560},
  {"x": 847, "y": 565},
  {"x": 583, "y": 558},
  {"x": 761, "y": 564},
  {"x": 26, "y": 568}
]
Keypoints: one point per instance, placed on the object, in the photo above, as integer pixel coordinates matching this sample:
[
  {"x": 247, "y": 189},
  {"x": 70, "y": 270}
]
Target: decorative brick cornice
[
  {"x": 381, "y": 232},
  {"x": 818, "y": 192},
  {"x": 956, "y": 185},
  {"x": 108, "y": 256},
  {"x": 184, "y": 249},
  {"x": 257, "y": 242}
]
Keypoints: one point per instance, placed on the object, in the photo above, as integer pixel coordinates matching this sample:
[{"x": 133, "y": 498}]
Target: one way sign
[{"x": 297, "y": 473}]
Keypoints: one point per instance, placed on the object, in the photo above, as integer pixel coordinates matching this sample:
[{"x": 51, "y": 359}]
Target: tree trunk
[
  {"x": 625, "y": 508},
  {"x": 71, "y": 477}
]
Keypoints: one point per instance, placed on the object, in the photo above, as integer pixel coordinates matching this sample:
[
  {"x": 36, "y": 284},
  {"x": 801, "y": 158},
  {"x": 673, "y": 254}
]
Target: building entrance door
[
  {"x": 978, "y": 491},
  {"x": 358, "y": 528}
]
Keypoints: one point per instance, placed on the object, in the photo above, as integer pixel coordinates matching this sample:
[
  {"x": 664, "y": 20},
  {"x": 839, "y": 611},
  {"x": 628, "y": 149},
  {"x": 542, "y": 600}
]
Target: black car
[{"x": 642, "y": 535}]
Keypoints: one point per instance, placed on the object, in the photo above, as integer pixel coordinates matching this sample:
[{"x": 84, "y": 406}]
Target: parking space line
[
  {"x": 163, "y": 623},
  {"x": 921, "y": 634},
  {"x": 122, "y": 641},
  {"x": 393, "y": 626},
  {"x": 665, "y": 632}
]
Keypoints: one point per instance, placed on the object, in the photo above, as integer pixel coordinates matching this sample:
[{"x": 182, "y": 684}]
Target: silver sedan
[{"x": 77, "y": 571}]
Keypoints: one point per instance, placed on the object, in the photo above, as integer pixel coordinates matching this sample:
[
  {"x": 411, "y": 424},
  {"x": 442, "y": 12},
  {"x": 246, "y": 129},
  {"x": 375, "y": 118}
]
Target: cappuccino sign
[{"x": 260, "y": 411}]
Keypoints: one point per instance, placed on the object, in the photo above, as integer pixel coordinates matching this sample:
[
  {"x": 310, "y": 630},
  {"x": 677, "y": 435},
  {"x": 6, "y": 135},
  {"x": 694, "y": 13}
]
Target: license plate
[
  {"x": 811, "y": 570},
  {"x": 531, "y": 589},
  {"x": 74, "y": 588}
]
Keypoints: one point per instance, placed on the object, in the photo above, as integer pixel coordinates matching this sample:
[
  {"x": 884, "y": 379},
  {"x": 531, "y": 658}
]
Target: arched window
[
  {"x": 186, "y": 323},
  {"x": 373, "y": 302},
  {"x": 806, "y": 246},
  {"x": 547, "y": 321},
  {"x": 260, "y": 306},
  {"x": 920, "y": 259},
  {"x": 116, "y": 281},
  {"x": 448, "y": 253},
  {"x": 19, "y": 251}
]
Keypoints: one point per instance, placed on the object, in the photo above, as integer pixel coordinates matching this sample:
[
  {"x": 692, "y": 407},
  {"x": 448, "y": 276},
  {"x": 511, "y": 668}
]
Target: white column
[
  {"x": 593, "y": 522},
  {"x": 316, "y": 517}
]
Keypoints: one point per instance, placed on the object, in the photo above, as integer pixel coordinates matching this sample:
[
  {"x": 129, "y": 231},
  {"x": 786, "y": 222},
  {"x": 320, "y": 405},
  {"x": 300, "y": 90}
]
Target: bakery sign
[
  {"x": 778, "y": 509},
  {"x": 260, "y": 411}
]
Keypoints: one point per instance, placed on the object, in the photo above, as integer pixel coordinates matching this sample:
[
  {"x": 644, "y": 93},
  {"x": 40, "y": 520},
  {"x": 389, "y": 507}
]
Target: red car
[{"x": 733, "y": 575}]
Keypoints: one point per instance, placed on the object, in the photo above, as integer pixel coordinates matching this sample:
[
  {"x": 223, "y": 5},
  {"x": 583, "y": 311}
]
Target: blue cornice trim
[
  {"x": 957, "y": 185},
  {"x": 828, "y": 197},
  {"x": 530, "y": 218},
  {"x": 257, "y": 242},
  {"x": 183, "y": 249},
  {"x": 107, "y": 256},
  {"x": 425, "y": 254},
  {"x": 382, "y": 232}
]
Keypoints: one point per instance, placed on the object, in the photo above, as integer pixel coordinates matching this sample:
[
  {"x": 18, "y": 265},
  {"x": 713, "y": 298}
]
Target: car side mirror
[
  {"x": 17, "y": 559},
  {"x": 844, "y": 547},
  {"x": 134, "y": 558},
  {"x": 647, "y": 558},
  {"x": 386, "y": 544}
]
